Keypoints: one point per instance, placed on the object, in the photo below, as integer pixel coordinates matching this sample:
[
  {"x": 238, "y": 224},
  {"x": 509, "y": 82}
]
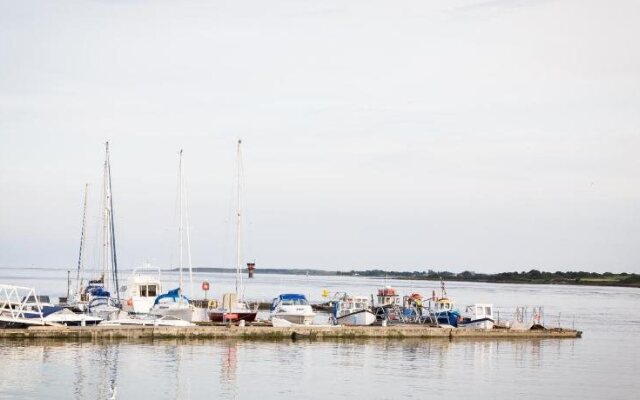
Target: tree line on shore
[{"x": 531, "y": 276}]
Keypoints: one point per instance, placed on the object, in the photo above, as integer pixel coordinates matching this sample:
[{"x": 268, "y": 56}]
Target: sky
[{"x": 483, "y": 135}]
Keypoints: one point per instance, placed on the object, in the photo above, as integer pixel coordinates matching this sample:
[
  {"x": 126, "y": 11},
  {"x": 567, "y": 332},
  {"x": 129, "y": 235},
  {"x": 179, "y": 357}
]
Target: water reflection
[
  {"x": 288, "y": 370},
  {"x": 229, "y": 365}
]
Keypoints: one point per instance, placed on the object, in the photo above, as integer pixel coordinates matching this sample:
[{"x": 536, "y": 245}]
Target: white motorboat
[
  {"x": 353, "y": 310},
  {"x": 140, "y": 292},
  {"x": 294, "y": 308},
  {"x": 55, "y": 314},
  {"x": 69, "y": 318}
]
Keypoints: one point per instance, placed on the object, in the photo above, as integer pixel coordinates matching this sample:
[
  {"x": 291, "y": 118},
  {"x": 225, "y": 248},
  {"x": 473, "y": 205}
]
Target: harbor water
[{"x": 604, "y": 362}]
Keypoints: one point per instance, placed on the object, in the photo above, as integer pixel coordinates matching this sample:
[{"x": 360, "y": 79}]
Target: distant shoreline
[{"x": 533, "y": 276}]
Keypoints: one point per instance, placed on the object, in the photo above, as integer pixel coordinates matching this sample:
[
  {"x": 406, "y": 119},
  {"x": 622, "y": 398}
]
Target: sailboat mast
[
  {"x": 105, "y": 223},
  {"x": 114, "y": 259},
  {"x": 188, "y": 230},
  {"x": 82, "y": 235},
  {"x": 238, "y": 225},
  {"x": 180, "y": 229}
]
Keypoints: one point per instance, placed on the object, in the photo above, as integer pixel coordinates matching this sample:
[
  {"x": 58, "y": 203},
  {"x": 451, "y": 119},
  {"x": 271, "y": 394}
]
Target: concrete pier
[{"x": 272, "y": 333}]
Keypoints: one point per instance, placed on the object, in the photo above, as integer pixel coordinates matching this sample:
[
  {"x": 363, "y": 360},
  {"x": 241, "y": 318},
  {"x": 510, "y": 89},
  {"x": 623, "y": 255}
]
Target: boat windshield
[{"x": 295, "y": 302}]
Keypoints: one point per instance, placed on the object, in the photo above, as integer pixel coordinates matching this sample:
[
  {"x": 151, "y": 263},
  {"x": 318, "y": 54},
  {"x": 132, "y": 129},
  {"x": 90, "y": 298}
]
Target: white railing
[{"x": 14, "y": 308}]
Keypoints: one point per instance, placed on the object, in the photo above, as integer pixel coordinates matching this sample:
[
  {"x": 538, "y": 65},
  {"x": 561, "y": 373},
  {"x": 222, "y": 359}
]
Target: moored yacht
[
  {"x": 233, "y": 306},
  {"x": 140, "y": 292},
  {"x": 173, "y": 303},
  {"x": 233, "y": 309}
]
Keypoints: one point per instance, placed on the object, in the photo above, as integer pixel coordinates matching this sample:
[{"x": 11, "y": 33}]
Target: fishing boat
[
  {"x": 442, "y": 310},
  {"x": 353, "y": 310},
  {"x": 388, "y": 307},
  {"x": 233, "y": 307},
  {"x": 292, "y": 307},
  {"x": 387, "y": 296},
  {"x": 174, "y": 302},
  {"x": 477, "y": 316}
]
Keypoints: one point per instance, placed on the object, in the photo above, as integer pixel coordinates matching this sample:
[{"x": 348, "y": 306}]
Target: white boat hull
[
  {"x": 160, "y": 321},
  {"x": 298, "y": 319},
  {"x": 484, "y": 323},
  {"x": 105, "y": 313},
  {"x": 66, "y": 317},
  {"x": 138, "y": 305},
  {"x": 295, "y": 314},
  {"x": 185, "y": 312},
  {"x": 362, "y": 317}
]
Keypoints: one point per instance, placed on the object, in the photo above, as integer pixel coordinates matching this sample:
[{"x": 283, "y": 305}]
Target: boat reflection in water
[
  {"x": 228, "y": 371},
  {"x": 184, "y": 369}
]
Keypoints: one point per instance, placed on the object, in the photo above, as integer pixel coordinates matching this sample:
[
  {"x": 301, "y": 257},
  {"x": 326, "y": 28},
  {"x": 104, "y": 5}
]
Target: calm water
[{"x": 604, "y": 363}]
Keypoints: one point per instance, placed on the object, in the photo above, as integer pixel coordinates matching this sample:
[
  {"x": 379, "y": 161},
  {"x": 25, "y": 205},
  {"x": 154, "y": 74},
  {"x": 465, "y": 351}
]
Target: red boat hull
[{"x": 215, "y": 316}]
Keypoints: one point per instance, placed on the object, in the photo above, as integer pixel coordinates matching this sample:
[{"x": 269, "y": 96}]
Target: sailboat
[
  {"x": 233, "y": 307},
  {"x": 75, "y": 300},
  {"x": 174, "y": 302},
  {"x": 103, "y": 294}
]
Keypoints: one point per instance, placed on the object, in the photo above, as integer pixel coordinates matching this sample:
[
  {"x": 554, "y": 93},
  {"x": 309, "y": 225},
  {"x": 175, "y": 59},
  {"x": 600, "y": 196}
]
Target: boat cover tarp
[
  {"x": 46, "y": 310},
  {"x": 292, "y": 296},
  {"x": 99, "y": 292},
  {"x": 171, "y": 294},
  {"x": 287, "y": 297}
]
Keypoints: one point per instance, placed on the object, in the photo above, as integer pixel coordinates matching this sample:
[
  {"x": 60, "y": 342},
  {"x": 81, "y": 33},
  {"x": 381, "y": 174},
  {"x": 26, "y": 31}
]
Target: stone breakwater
[{"x": 273, "y": 333}]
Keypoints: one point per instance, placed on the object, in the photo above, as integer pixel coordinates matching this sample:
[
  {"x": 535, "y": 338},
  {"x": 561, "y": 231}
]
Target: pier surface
[{"x": 271, "y": 333}]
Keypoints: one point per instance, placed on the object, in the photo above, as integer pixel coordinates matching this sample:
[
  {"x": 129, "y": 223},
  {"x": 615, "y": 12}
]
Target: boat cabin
[
  {"x": 350, "y": 303},
  {"x": 444, "y": 304},
  {"x": 140, "y": 292},
  {"x": 479, "y": 311},
  {"x": 387, "y": 296}
]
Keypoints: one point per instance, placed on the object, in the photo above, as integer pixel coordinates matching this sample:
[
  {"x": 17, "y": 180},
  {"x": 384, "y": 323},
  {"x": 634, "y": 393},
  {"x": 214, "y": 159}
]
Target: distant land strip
[{"x": 533, "y": 276}]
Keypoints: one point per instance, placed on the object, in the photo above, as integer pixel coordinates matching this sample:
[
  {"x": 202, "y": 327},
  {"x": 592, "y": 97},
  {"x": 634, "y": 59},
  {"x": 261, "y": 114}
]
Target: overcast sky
[{"x": 490, "y": 135}]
